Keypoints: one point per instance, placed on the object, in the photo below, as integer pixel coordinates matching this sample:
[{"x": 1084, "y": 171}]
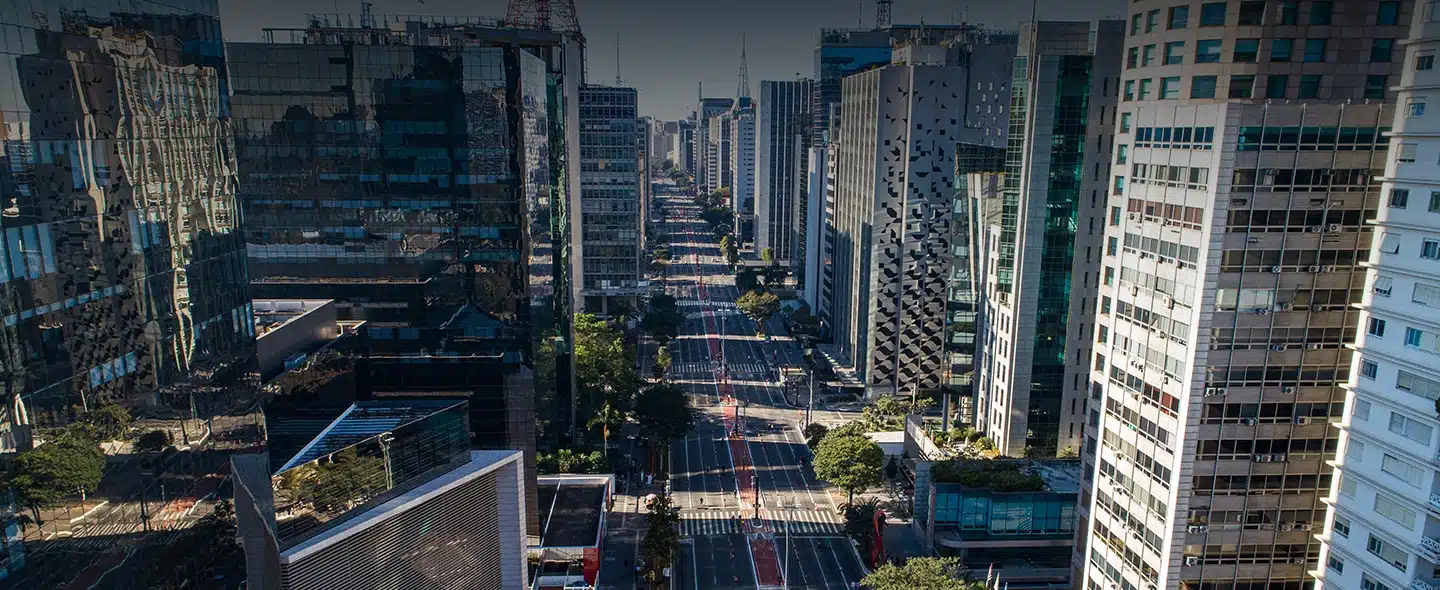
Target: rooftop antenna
[
  {"x": 860, "y": 15},
  {"x": 367, "y": 18},
  {"x": 546, "y": 15},
  {"x": 882, "y": 14},
  {"x": 743, "y": 91},
  {"x": 617, "y": 59}
]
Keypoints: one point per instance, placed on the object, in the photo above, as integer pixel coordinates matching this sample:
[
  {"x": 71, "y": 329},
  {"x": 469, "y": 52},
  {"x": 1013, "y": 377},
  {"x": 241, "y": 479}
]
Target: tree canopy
[
  {"x": 664, "y": 413},
  {"x": 604, "y": 371},
  {"x": 661, "y": 536},
  {"x": 663, "y": 320},
  {"x": 568, "y": 461},
  {"x": 759, "y": 306},
  {"x": 930, "y": 573},
  {"x": 851, "y": 462},
  {"x": 48, "y": 474}
]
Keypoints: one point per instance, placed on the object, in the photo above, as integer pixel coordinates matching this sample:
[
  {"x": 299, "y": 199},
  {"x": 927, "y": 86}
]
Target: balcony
[
  {"x": 1430, "y": 546},
  {"x": 1431, "y": 584},
  {"x": 1435, "y": 502}
]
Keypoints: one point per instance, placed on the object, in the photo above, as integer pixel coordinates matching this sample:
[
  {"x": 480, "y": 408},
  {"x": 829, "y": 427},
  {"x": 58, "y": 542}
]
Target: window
[
  {"x": 1368, "y": 370},
  {"x": 1179, "y": 17},
  {"x": 1242, "y": 86},
  {"x": 1369, "y": 583},
  {"x": 1124, "y": 122},
  {"x": 1122, "y": 154},
  {"x": 1410, "y": 428},
  {"x": 1414, "y": 107},
  {"x": 1275, "y": 85},
  {"x": 1289, "y": 12},
  {"x": 1425, "y": 61},
  {"x": 1147, "y": 55},
  {"x": 1119, "y": 188},
  {"x": 1132, "y": 57},
  {"x": 1145, "y": 88},
  {"x": 1335, "y": 563},
  {"x": 1430, "y": 249},
  {"x": 1246, "y": 50},
  {"x": 1383, "y": 285},
  {"x": 1427, "y": 295},
  {"x": 1399, "y": 197},
  {"x": 1129, "y": 90},
  {"x": 1342, "y": 525},
  {"x": 1174, "y": 53},
  {"x": 1114, "y": 216},
  {"x": 1202, "y": 87},
  {"x": 1207, "y": 51},
  {"x": 1212, "y": 14},
  {"x": 1402, "y": 470},
  {"x": 1251, "y": 13},
  {"x": 1152, "y": 20},
  {"x": 1280, "y": 49},
  {"x": 1314, "y": 50},
  {"x": 1347, "y": 487},
  {"x": 1390, "y": 553},
  {"x": 1354, "y": 450},
  {"x": 1375, "y": 86},
  {"x": 1135, "y": 24},
  {"x": 1320, "y": 12},
  {"x": 1377, "y": 327},
  {"x": 1435, "y": 201},
  {"x": 1389, "y": 243},
  {"x": 1170, "y": 87},
  {"x": 1406, "y": 154},
  {"x": 1310, "y": 86},
  {"x": 1362, "y": 408},
  {"x": 1381, "y": 50},
  {"x": 1388, "y": 13}
]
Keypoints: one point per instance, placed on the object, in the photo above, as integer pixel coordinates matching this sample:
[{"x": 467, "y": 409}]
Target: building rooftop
[
  {"x": 1005, "y": 475},
  {"x": 366, "y": 420},
  {"x": 272, "y": 314},
  {"x": 572, "y": 508}
]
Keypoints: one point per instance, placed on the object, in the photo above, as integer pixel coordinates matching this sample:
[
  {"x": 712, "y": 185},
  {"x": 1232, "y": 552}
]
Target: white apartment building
[
  {"x": 1250, "y": 142},
  {"x": 742, "y": 169},
  {"x": 1384, "y": 527}
]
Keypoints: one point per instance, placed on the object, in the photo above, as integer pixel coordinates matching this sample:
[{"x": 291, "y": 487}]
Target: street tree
[
  {"x": 931, "y": 573},
  {"x": 45, "y": 476},
  {"x": 604, "y": 372},
  {"x": 663, "y": 320},
  {"x": 747, "y": 280},
  {"x": 759, "y": 306},
  {"x": 767, "y": 254},
  {"x": 662, "y": 361},
  {"x": 664, "y": 414},
  {"x": 661, "y": 536},
  {"x": 860, "y": 523},
  {"x": 814, "y": 433},
  {"x": 153, "y": 441},
  {"x": 111, "y": 421},
  {"x": 852, "y": 463}
]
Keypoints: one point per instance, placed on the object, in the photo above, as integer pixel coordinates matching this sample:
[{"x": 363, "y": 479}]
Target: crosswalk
[
  {"x": 737, "y": 370},
  {"x": 731, "y": 522}
]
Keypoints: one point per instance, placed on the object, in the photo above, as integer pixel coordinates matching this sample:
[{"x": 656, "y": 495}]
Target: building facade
[
  {"x": 611, "y": 158},
  {"x": 1249, "y": 147},
  {"x": 1033, "y": 372},
  {"x": 707, "y": 174},
  {"x": 817, "y": 231},
  {"x": 781, "y": 170},
  {"x": 123, "y": 277},
  {"x": 894, "y": 190},
  {"x": 1383, "y": 528},
  {"x": 742, "y": 170}
]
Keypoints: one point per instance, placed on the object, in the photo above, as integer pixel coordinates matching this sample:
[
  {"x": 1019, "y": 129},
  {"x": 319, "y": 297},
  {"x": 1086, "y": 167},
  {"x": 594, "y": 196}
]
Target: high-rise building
[
  {"x": 685, "y": 145},
  {"x": 707, "y": 177},
  {"x": 611, "y": 154},
  {"x": 1033, "y": 370},
  {"x": 893, "y": 198},
  {"x": 742, "y": 169},
  {"x": 719, "y": 171},
  {"x": 781, "y": 170},
  {"x": 389, "y": 495},
  {"x": 122, "y": 271},
  {"x": 818, "y": 231},
  {"x": 1249, "y": 146},
  {"x": 1384, "y": 523},
  {"x": 979, "y": 174}
]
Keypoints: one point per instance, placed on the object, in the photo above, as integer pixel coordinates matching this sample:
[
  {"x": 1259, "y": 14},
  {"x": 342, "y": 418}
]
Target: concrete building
[
  {"x": 782, "y": 170},
  {"x": 742, "y": 170},
  {"x": 707, "y": 173},
  {"x": 685, "y": 146},
  {"x": 719, "y": 174},
  {"x": 389, "y": 495},
  {"x": 1249, "y": 147},
  {"x": 818, "y": 231},
  {"x": 895, "y": 169},
  {"x": 288, "y": 330},
  {"x": 611, "y": 185},
  {"x": 1032, "y": 373},
  {"x": 1383, "y": 528}
]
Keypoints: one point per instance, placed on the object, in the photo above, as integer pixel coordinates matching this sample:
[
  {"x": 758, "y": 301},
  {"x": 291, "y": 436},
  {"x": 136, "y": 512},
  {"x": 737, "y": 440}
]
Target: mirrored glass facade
[{"x": 123, "y": 276}]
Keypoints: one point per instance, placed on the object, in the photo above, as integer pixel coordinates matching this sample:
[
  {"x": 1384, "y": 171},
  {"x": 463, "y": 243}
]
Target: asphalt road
[{"x": 714, "y": 523}]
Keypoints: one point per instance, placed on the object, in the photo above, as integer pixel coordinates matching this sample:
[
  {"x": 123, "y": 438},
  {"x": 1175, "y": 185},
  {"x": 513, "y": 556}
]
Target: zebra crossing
[
  {"x": 706, "y": 368},
  {"x": 731, "y": 522}
]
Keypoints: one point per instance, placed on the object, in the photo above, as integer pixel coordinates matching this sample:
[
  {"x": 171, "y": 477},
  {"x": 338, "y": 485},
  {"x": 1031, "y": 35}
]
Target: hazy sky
[{"x": 667, "y": 46}]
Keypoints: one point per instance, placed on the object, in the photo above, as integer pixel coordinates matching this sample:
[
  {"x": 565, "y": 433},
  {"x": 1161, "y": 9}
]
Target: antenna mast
[
  {"x": 743, "y": 90},
  {"x": 546, "y": 15},
  {"x": 882, "y": 13},
  {"x": 617, "y": 59}
]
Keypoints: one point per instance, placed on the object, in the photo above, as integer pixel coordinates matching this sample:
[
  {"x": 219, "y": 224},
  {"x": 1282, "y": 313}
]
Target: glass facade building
[
  {"x": 610, "y": 201},
  {"x": 123, "y": 276}
]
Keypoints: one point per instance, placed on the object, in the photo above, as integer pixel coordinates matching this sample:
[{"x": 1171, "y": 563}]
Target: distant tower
[
  {"x": 743, "y": 90},
  {"x": 367, "y": 16},
  {"x": 617, "y": 60},
  {"x": 882, "y": 14},
  {"x": 547, "y": 15}
]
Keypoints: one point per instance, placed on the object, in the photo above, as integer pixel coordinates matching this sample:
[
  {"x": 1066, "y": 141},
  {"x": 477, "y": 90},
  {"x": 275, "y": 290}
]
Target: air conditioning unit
[
  {"x": 1286, "y": 527},
  {"x": 1314, "y": 346},
  {"x": 1203, "y": 527},
  {"x": 1134, "y": 289},
  {"x": 1302, "y": 420},
  {"x": 1134, "y": 216},
  {"x": 1337, "y": 204},
  {"x": 1298, "y": 560},
  {"x": 1261, "y": 458},
  {"x": 1305, "y": 526},
  {"x": 1193, "y": 529},
  {"x": 1275, "y": 269},
  {"x": 1214, "y": 391},
  {"x": 1315, "y": 229},
  {"x": 1278, "y": 457},
  {"x": 1327, "y": 269},
  {"x": 1287, "y": 306},
  {"x": 1252, "y": 240},
  {"x": 1262, "y": 311},
  {"x": 1287, "y": 390},
  {"x": 1278, "y": 347},
  {"x": 1192, "y": 561},
  {"x": 1248, "y": 421},
  {"x": 1170, "y": 302},
  {"x": 1313, "y": 269},
  {"x": 1333, "y": 228}
]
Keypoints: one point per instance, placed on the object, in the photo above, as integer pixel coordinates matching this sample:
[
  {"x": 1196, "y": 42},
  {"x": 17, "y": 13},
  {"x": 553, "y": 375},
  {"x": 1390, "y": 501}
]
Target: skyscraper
[
  {"x": 1033, "y": 368},
  {"x": 610, "y": 201},
  {"x": 893, "y": 197},
  {"x": 1249, "y": 147},
  {"x": 122, "y": 271},
  {"x": 781, "y": 168},
  {"x": 704, "y": 153},
  {"x": 742, "y": 169},
  {"x": 1384, "y": 503}
]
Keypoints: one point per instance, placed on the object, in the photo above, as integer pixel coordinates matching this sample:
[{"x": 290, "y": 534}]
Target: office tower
[
  {"x": 781, "y": 170},
  {"x": 742, "y": 169},
  {"x": 719, "y": 173},
  {"x": 1248, "y": 159},
  {"x": 122, "y": 271},
  {"x": 685, "y": 145},
  {"x": 611, "y": 153},
  {"x": 707, "y": 176},
  {"x": 842, "y": 52},
  {"x": 974, "y": 214},
  {"x": 893, "y": 196},
  {"x": 388, "y": 496},
  {"x": 819, "y": 188},
  {"x": 1033, "y": 371},
  {"x": 1384, "y": 507}
]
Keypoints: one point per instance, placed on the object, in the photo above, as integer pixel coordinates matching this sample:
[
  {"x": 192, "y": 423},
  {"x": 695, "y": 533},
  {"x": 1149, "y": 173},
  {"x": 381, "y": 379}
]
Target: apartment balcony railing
[
  {"x": 1431, "y": 584},
  {"x": 1430, "y": 546},
  {"x": 1435, "y": 502}
]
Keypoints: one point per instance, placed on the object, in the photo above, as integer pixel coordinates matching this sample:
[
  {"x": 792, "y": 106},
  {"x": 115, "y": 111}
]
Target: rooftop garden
[{"x": 999, "y": 475}]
